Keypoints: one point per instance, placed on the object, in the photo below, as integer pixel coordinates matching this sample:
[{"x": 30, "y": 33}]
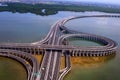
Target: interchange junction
[{"x": 53, "y": 47}]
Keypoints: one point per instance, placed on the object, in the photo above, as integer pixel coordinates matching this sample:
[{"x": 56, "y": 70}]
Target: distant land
[
  {"x": 45, "y": 7},
  {"x": 62, "y": 3}
]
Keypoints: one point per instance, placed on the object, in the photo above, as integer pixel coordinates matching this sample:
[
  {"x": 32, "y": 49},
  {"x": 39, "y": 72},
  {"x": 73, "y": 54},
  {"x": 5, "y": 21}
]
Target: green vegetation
[{"x": 51, "y": 9}]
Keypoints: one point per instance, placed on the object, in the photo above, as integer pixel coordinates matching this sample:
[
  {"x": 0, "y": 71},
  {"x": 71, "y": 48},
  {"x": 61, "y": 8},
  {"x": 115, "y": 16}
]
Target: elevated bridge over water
[{"x": 53, "y": 46}]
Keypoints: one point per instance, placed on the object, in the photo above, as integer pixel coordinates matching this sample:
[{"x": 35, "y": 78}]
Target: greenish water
[
  {"x": 100, "y": 70},
  {"x": 11, "y": 70},
  {"x": 16, "y": 27},
  {"x": 108, "y": 27},
  {"x": 83, "y": 43}
]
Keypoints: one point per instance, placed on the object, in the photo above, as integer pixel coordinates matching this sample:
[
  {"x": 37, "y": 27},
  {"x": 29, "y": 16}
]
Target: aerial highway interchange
[{"x": 53, "y": 47}]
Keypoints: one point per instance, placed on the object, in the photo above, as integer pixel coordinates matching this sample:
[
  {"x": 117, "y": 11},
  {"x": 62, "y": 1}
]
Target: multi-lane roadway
[{"x": 53, "y": 48}]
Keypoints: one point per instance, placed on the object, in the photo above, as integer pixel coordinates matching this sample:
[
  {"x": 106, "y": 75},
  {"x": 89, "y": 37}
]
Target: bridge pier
[
  {"x": 73, "y": 53},
  {"x": 34, "y": 51},
  {"x": 104, "y": 53},
  {"x": 90, "y": 54},
  {"x": 50, "y": 47},
  {"x": 87, "y": 54},
  {"x": 78, "y": 53}
]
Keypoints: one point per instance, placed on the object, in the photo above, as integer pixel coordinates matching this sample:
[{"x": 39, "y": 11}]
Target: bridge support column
[
  {"x": 73, "y": 53},
  {"x": 90, "y": 54},
  {"x": 43, "y": 51},
  {"x": 31, "y": 50},
  {"x": 83, "y": 54},
  {"x": 38, "y": 51},
  {"x": 110, "y": 52},
  {"x": 63, "y": 52},
  {"x": 78, "y": 53},
  {"x": 100, "y": 53},
  {"x": 70, "y": 52},
  {"x": 25, "y": 49},
  {"x": 28, "y": 50},
  {"x": 87, "y": 54},
  {"x": 103, "y": 53},
  {"x": 34, "y": 51},
  {"x": 97, "y": 54}
]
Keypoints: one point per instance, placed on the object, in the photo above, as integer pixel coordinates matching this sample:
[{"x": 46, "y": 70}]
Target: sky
[{"x": 101, "y": 1}]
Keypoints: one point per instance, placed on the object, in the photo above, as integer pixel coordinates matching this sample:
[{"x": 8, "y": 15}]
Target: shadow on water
[{"x": 89, "y": 61}]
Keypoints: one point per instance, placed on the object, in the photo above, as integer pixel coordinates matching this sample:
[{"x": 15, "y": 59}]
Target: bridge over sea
[{"x": 53, "y": 46}]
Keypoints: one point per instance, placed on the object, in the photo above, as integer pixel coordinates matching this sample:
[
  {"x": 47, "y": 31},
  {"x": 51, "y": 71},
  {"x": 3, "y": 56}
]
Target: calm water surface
[
  {"x": 95, "y": 68},
  {"x": 16, "y": 27},
  {"x": 11, "y": 70}
]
